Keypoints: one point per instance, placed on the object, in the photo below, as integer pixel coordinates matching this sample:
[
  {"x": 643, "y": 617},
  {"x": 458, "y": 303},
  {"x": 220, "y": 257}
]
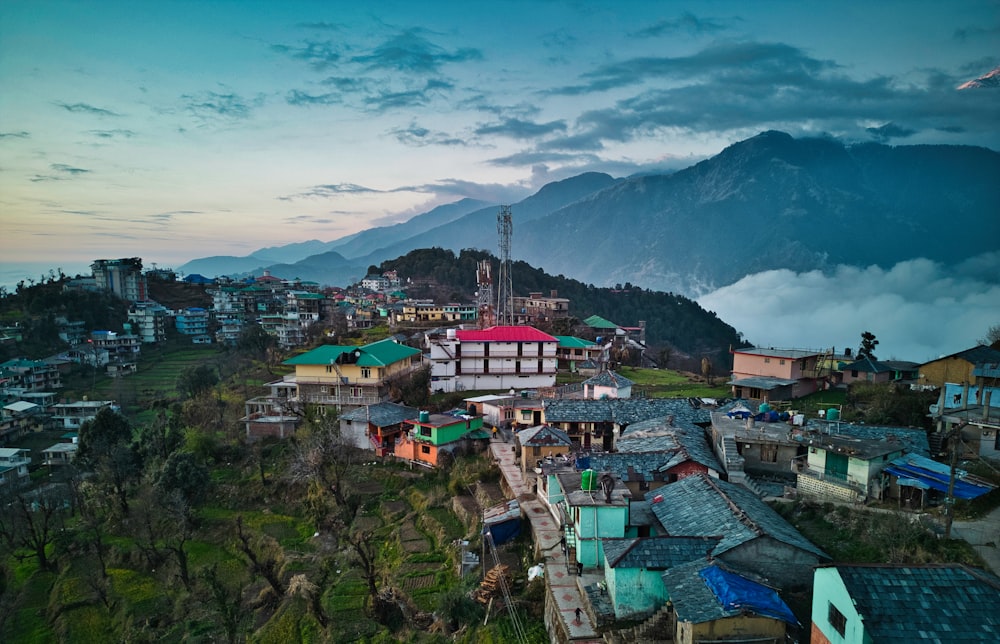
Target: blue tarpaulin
[
  {"x": 739, "y": 593},
  {"x": 503, "y": 522},
  {"x": 936, "y": 476}
]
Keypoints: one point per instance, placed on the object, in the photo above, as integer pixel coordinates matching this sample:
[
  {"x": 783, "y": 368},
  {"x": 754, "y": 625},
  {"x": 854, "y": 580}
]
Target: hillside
[{"x": 670, "y": 319}]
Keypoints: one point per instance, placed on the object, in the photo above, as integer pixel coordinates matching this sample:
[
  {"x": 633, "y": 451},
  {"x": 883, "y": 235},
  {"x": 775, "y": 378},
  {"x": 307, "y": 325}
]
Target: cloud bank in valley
[{"x": 918, "y": 309}]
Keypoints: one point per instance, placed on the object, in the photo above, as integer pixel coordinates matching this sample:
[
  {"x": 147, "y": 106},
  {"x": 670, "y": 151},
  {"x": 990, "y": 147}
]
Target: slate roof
[
  {"x": 376, "y": 354},
  {"x": 699, "y": 505},
  {"x": 934, "y": 602},
  {"x": 623, "y": 411},
  {"x": 382, "y": 414},
  {"x": 683, "y": 443},
  {"x": 609, "y": 379},
  {"x": 657, "y": 553},
  {"x": 543, "y": 436},
  {"x": 695, "y": 602},
  {"x": 913, "y": 440}
]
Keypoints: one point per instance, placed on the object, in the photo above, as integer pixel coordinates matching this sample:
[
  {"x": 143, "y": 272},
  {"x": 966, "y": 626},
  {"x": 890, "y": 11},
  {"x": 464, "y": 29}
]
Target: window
[
  {"x": 425, "y": 431},
  {"x": 781, "y": 362},
  {"x": 767, "y": 361},
  {"x": 329, "y": 368},
  {"x": 836, "y": 619},
  {"x": 769, "y": 453},
  {"x": 366, "y": 372},
  {"x": 425, "y": 449}
]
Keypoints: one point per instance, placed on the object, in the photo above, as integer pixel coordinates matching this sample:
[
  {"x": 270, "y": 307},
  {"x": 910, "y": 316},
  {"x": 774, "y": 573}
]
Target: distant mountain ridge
[{"x": 769, "y": 202}]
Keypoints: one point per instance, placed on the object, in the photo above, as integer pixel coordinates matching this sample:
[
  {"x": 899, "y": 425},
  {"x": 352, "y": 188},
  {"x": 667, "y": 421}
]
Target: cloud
[
  {"x": 318, "y": 55},
  {"x": 14, "y": 135},
  {"x": 411, "y": 53},
  {"x": 417, "y": 136},
  {"x": 298, "y": 97},
  {"x": 321, "y": 26},
  {"x": 776, "y": 61},
  {"x": 307, "y": 219},
  {"x": 516, "y": 128},
  {"x": 326, "y": 191},
  {"x": 686, "y": 23},
  {"x": 111, "y": 134},
  {"x": 62, "y": 172},
  {"x": 210, "y": 105},
  {"x": 85, "y": 108},
  {"x": 908, "y": 307},
  {"x": 889, "y": 131}
]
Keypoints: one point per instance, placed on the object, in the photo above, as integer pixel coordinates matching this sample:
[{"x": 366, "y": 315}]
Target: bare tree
[
  {"x": 265, "y": 557},
  {"x": 33, "y": 522}
]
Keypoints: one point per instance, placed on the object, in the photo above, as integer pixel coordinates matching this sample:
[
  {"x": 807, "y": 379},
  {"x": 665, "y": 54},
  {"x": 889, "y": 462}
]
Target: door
[{"x": 836, "y": 466}]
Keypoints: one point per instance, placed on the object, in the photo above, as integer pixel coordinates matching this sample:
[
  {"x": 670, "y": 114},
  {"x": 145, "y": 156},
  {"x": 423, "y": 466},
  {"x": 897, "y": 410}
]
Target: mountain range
[{"x": 768, "y": 202}]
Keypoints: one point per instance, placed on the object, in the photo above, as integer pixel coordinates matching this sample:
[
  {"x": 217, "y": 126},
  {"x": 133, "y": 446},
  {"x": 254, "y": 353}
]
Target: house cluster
[{"x": 659, "y": 502}]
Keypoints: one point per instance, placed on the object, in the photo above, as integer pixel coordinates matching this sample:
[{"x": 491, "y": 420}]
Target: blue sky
[{"x": 185, "y": 129}]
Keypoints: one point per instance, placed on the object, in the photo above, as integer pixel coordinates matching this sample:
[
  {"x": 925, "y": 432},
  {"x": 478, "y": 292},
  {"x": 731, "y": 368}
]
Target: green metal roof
[
  {"x": 597, "y": 322},
  {"x": 573, "y": 342},
  {"x": 376, "y": 354}
]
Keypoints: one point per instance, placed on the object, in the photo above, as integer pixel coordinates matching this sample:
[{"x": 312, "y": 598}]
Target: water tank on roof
[
  {"x": 451, "y": 334},
  {"x": 425, "y": 416},
  {"x": 833, "y": 413},
  {"x": 764, "y": 408},
  {"x": 587, "y": 480}
]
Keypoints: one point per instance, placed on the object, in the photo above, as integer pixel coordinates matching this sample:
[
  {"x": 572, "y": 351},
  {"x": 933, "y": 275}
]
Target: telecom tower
[
  {"x": 484, "y": 294},
  {"x": 505, "y": 287}
]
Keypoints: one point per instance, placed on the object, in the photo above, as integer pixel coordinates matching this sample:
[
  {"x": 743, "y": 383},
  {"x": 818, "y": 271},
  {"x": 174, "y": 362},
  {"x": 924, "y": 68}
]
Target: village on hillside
[{"x": 651, "y": 519}]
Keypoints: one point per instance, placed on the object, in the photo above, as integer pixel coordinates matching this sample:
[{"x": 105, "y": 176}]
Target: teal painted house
[
  {"x": 876, "y": 603},
  {"x": 633, "y": 570},
  {"x": 594, "y": 508}
]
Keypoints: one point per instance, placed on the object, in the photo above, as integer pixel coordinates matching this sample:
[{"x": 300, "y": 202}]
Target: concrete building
[
  {"x": 497, "y": 358},
  {"x": 123, "y": 277}
]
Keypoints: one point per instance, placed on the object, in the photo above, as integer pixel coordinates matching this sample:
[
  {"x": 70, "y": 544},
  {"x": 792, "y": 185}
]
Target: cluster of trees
[{"x": 34, "y": 310}]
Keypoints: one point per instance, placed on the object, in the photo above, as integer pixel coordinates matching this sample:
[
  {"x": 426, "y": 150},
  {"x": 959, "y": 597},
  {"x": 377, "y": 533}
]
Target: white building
[{"x": 497, "y": 358}]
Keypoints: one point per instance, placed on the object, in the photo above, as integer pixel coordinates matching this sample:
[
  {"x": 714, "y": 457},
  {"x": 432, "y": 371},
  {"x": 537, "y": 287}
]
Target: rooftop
[{"x": 934, "y": 602}]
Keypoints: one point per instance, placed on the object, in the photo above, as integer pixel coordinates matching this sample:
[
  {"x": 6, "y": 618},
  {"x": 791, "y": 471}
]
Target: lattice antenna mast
[
  {"x": 484, "y": 293},
  {"x": 505, "y": 286}
]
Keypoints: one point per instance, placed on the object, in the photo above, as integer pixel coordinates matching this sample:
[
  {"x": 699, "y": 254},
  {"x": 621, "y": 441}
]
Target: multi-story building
[
  {"x": 21, "y": 375},
  {"x": 776, "y": 374},
  {"x": 537, "y": 308},
  {"x": 72, "y": 415},
  {"x": 498, "y": 358},
  {"x": 149, "y": 321},
  {"x": 347, "y": 376},
  {"x": 108, "y": 347},
  {"x": 123, "y": 277},
  {"x": 416, "y": 312},
  {"x": 192, "y": 321}
]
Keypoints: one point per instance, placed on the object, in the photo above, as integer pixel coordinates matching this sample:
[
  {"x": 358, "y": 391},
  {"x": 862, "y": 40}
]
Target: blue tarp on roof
[
  {"x": 503, "y": 521},
  {"x": 739, "y": 593},
  {"x": 935, "y": 476}
]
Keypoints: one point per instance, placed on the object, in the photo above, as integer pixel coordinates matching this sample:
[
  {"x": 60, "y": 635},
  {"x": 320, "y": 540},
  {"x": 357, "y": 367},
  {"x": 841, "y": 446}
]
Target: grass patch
[{"x": 666, "y": 383}]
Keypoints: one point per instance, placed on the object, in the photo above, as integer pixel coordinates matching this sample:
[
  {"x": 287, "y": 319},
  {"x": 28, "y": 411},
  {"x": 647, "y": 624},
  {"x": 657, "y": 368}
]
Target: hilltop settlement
[{"x": 649, "y": 519}]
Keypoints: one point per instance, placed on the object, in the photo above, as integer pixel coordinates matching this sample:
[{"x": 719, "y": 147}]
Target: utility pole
[{"x": 955, "y": 438}]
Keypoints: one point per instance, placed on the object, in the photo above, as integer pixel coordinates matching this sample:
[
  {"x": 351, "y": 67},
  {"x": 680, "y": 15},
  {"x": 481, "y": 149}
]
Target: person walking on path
[{"x": 578, "y": 612}]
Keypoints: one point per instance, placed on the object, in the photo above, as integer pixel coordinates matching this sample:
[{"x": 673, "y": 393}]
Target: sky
[{"x": 178, "y": 130}]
